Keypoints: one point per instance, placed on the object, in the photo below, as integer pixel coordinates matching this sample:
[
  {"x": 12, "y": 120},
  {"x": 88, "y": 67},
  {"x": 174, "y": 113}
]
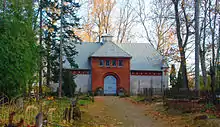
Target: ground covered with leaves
[{"x": 175, "y": 118}]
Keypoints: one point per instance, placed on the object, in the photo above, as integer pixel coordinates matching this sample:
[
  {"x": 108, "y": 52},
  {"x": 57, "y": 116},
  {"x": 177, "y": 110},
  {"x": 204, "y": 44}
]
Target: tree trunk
[
  {"x": 180, "y": 44},
  {"x": 197, "y": 42},
  {"x": 61, "y": 51},
  {"x": 212, "y": 63},
  {"x": 203, "y": 48},
  {"x": 40, "y": 71},
  {"x": 183, "y": 70},
  {"x": 212, "y": 74},
  {"x": 203, "y": 68},
  {"x": 48, "y": 59}
]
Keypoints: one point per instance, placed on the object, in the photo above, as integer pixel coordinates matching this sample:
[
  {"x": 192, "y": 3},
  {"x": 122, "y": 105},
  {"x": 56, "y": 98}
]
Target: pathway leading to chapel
[{"x": 111, "y": 111}]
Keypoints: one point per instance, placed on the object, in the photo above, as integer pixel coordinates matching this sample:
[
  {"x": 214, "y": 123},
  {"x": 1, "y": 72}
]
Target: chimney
[{"x": 106, "y": 38}]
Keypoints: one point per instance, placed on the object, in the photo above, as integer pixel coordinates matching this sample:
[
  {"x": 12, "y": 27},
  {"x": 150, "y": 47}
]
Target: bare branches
[
  {"x": 98, "y": 19},
  {"x": 126, "y": 21},
  {"x": 143, "y": 18}
]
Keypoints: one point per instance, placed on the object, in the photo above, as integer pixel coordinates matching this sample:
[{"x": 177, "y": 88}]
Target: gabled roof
[
  {"x": 110, "y": 49},
  {"x": 144, "y": 56},
  {"x": 84, "y": 49}
]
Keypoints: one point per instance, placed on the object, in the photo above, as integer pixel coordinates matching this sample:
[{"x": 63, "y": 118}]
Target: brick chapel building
[{"x": 112, "y": 66}]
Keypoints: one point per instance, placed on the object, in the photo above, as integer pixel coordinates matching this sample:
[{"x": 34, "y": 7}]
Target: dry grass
[{"x": 52, "y": 108}]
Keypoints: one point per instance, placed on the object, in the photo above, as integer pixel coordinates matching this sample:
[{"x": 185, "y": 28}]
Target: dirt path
[{"x": 116, "y": 112}]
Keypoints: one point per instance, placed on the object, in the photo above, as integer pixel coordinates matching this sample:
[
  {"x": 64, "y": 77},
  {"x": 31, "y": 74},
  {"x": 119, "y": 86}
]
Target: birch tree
[{"x": 202, "y": 44}]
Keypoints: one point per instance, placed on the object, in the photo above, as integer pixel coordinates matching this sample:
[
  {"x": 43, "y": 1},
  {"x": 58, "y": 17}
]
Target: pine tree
[{"x": 51, "y": 30}]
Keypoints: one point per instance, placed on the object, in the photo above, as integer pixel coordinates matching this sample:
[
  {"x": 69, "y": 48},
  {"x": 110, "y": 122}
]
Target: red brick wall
[{"x": 122, "y": 74}]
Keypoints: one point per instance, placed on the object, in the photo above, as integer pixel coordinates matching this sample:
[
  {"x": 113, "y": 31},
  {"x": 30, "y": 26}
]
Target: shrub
[
  {"x": 208, "y": 108},
  {"x": 69, "y": 85}
]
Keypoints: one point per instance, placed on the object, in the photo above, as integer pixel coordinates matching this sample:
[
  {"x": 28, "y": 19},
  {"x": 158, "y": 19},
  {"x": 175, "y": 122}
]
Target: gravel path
[{"x": 115, "y": 112}]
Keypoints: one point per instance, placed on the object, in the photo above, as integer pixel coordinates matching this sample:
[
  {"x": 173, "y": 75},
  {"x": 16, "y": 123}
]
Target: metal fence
[
  {"x": 178, "y": 93},
  {"x": 150, "y": 92}
]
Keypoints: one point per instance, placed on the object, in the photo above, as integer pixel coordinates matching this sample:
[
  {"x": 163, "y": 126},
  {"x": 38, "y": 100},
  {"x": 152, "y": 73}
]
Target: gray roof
[
  {"x": 144, "y": 56},
  {"x": 85, "y": 50},
  {"x": 110, "y": 49}
]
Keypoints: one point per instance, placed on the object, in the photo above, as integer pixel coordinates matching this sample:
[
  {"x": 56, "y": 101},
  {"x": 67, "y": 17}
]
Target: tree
[
  {"x": 212, "y": 15},
  {"x": 125, "y": 20},
  {"x": 161, "y": 32},
  {"x": 197, "y": 42},
  {"x": 202, "y": 44},
  {"x": 19, "y": 63},
  {"x": 40, "y": 39},
  {"x": 52, "y": 36},
  {"x": 98, "y": 19},
  {"x": 182, "y": 44},
  {"x": 143, "y": 18},
  {"x": 69, "y": 85}
]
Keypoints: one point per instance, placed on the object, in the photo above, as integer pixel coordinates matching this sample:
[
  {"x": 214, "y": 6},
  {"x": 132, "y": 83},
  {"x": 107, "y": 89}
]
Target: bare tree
[
  {"x": 101, "y": 12},
  {"x": 161, "y": 32},
  {"x": 126, "y": 20},
  {"x": 202, "y": 47},
  {"x": 212, "y": 15},
  {"x": 141, "y": 11},
  {"x": 162, "y": 19},
  {"x": 97, "y": 19}
]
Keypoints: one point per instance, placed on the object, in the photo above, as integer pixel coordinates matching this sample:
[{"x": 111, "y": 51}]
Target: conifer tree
[
  {"x": 19, "y": 49},
  {"x": 51, "y": 35}
]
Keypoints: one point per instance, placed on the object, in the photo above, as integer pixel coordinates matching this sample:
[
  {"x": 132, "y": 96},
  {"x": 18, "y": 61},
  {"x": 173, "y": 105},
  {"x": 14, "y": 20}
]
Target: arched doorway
[{"x": 110, "y": 85}]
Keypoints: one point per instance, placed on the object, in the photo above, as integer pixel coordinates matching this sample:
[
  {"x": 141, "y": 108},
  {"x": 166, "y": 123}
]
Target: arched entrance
[{"x": 110, "y": 85}]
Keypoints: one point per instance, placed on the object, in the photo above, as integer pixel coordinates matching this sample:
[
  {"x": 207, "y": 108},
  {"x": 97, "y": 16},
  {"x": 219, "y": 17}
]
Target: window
[
  {"x": 107, "y": 63},
  {"x": 114, "y": 63},
  {"x": 101, "y": 63},
  {"x": 120, "y": 63}
]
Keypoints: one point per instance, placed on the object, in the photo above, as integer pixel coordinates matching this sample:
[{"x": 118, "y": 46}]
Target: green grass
[
  {"x": 137, "y": 98},
  {"x": 84, "y": 102}
]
